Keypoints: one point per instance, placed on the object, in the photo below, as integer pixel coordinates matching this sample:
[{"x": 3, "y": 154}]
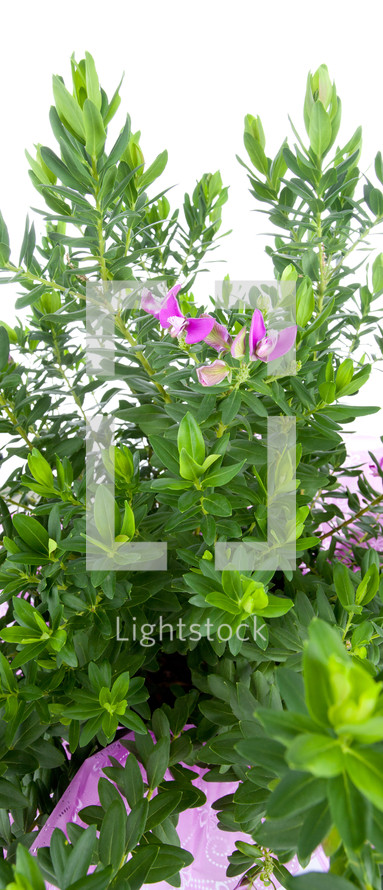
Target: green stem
[
  {"x": 144, "y": 362},
  {"x": 13, "y": 419},
  {"x": 367, "y": 509},
  {"x": 63, "y": 374},
  {"x": 52, "y": 285}
]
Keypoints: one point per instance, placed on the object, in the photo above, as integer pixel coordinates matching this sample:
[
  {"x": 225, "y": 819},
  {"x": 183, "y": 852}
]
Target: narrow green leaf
[
  {"x": 111, "y": 843},
  {"x": 95, "y": 134},
  {"x": 92, "y": 83}
]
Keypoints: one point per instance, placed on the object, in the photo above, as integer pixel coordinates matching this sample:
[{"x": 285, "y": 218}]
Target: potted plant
[{"x": 286, "y": 705}]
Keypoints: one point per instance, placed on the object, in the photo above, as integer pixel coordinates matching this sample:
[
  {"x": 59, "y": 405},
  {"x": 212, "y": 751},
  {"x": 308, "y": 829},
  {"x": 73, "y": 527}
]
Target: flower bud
[
  {"x": 322, "y": 111},
  {"x": 238, "y": 347},
  {"x": 10, "y": 331},
  {"x": 264, "y": 303},
  {"x": 255, "y": 598},
  {"x": 266, "y": 345},
  {"x": 210, "y": 375},
  {"x": 219, "y": 337},
  {"x": 253, "y": 126},
  {"x": 354, "y": 693}
]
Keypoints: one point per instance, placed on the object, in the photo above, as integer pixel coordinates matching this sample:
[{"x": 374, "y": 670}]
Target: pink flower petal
[
  {"x": 209, "y": 375},
  {"x": 257, "y": 330},
  {"x": 266, "y": 346},
  {"x": 177, "y": 324},
  {"x": 170, "y": 307},
  {"x": 238, "y": 347},
  {"x": 219, "y": 337},
  {"x": 150, "y": 304},
  {"x": 286, "y": 340},
  {"x": 198, "y": 328}
]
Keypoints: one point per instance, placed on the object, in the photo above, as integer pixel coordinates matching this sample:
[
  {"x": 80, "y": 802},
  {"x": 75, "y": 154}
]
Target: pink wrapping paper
[
  {"x": 358, "y": 449},
  {"x": 197, "y": 828}
]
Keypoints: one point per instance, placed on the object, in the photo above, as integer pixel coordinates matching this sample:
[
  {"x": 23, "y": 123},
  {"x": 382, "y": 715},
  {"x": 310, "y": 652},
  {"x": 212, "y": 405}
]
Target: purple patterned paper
[
  {"x": 197, "y": 828},
  {"x": 357, "y": 456}
]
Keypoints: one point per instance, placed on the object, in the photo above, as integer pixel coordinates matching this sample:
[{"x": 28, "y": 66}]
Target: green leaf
[
  {"x": 32, "y": 533},
  {"x": 26, "y": 866},
  {"x": 4, "y": 243},
  {"x": 4, "y": 348},
  {"x": 157, "y": 763},
  {"x": 365, "y": 768},
  {"x": 81, "y": 856},
  {"x": 217, "y": 505},
  {"x": 327, "y": 392},
  {"x": 191, "y": 439},
  {"x": 305, "y": 302},
  {"x": 129, "y": 780},
  {"x": 128, "y": 526},
  {"x": 220, "y": 601},
  {"x": 66, "y": 176},
  {"x": 161, "y": 806},
  {"x": 343, "y": 585},
  {"x": 320, "y": 131},
  {"x": 317, "y": 881},
  {"x": 377, "y": 274},
  {"x": 92, "y": 84},
  {"x": 68, "y": 109},
  {"x": 344, "y": 374},
  {"x": 119, "y": 145},
  {"x": 111, "y": 843},
  {"x": 316, "y": 825},
  {"x": 133, "y": 721},
  {"x": 296, "y": 792},
  {"x": 40, "y": 468},
  {"x": 60, "y": 853},
  {"x": 154, "y": 171},
  {"x": 223, "y": 475},
  {"x": 324, "y": 641},
  {"x": 368, "y": 586},
  {"x": 266, "y": 753},
  {"x": 230, "y": 407},
  {"x": 10, "y": 792},
  {"x": 135, "y": 823},
  {"x": 134, "y": 874},
  {"x": 349, "y": 811},
  {"x": 166, "y": 451},
  {"x": 276, "y": 607},
  {"x": 94, "y": 129},
  {"x": 256, "y": 153},
  {"x": 97, "y": 881},
  {"x": 169, "y": 861},
  {"x": 104, "y": 514},
  {"x": 189, "y": 468},
  {"x": 320, "y": 755}
]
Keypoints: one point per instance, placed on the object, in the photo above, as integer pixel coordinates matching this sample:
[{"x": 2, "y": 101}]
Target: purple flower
[
  {"x": 374, "y": 469},
  {"x": 269, "y": 345},
  {"x": 170, "y": 316},
  {"x": 150, "y": 304},
  {"x": 219, "y": 337},
  {"x": 209, "y": 375},
  {"x": 238, "y": 346}
]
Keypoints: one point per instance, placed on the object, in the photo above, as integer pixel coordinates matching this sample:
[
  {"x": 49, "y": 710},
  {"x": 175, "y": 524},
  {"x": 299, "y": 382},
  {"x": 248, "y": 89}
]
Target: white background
[{"x": 192, "y": 71}]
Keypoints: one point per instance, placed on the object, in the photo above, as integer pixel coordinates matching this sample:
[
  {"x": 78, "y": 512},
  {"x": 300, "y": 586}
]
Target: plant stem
[
  {"x": 367, "y": 509},
  {"x": 13, "y": 419},
  {"x": 144, "y": 362},
  {"x": 63, "y": 374}
]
